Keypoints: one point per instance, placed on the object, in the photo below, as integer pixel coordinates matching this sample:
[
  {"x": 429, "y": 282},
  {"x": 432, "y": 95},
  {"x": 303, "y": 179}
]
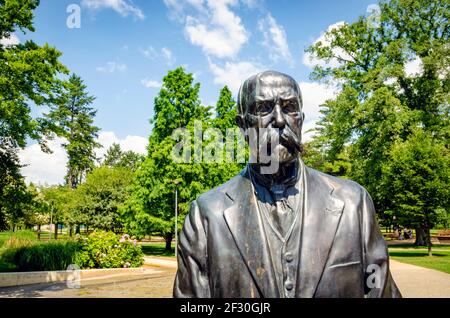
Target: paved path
[
  {"x": 156, "y": 282},
  {"x": 413, "y": 281}
]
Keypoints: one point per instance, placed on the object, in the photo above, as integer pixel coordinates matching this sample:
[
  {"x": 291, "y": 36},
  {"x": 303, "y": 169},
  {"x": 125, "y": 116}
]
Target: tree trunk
[
  {"x": 421, "y": 237},
  {"x": 168, "y": 239},
  {"x": 71, "y": 231},
  {"x": 56, "y": 231},
  {"x": 77, "y": 229},
  {"x": 39, "y": 232}
]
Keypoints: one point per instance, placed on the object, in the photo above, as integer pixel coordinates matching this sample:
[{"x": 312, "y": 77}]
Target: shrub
[
  {"x": 98, "y": 250},
  {"x": 105, "y": 250},
  {"x": 49, "y": 256}
]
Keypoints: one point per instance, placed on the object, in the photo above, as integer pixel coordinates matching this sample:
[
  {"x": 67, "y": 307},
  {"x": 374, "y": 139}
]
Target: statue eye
[
  {"x": 290, "y": 106},
  {"x": 265, "y": 107}
]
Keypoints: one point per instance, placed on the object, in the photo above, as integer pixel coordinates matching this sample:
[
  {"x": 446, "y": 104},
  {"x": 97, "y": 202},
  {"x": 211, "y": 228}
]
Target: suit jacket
[{"x": 223, "y": 252}]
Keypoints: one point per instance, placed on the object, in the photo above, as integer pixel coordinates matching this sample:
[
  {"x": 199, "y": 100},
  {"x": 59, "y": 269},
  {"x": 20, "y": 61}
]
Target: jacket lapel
[
  {"x": 321, "y": 215},
  {"x": 246, "y": 226}
]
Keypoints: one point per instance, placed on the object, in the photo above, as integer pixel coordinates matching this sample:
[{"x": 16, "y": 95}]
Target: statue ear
[{"x": 240, "y": 121}]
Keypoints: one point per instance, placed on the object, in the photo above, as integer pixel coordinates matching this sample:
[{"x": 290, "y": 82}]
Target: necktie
[{"x": 281, "y": 211}]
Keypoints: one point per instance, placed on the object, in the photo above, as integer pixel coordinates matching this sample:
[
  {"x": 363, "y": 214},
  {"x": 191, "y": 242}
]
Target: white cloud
[
  {"x": 214, "y": 26},
  {"x": 10, "y": 41},
  {"x": 168, "y": 56},
  {"x": 150, "y": 83},
  {"x": 149, "y": 53},
  {"x": 122, "y": 7},
  {"x": 50, "y": 169},
  {"x": 252, "y": 3},
  {"x": 165, "y": 53},
  {"x": 314, "y": 95},
  {"x": 275, "y": 39},
  {"x": 414, "y": 67},
  {"x": 233, "y": 74},
  {"x": 112, "y": 67},
  {"x": 134, "y": 143},
  {"x": 311, "y": 60},
  {"x": 42, "y": 168}
]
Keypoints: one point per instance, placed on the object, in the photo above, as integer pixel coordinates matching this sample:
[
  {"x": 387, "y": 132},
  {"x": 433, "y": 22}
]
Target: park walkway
[
  {"x": 413, "y": 281},
  {"x": 419, "y": 282}
]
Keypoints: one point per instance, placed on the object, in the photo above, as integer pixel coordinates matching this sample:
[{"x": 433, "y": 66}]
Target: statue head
[{"x": 272, "y": 101}]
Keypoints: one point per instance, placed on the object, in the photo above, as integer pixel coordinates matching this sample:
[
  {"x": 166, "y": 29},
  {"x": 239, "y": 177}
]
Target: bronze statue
[{"x": 295, "y": 232}]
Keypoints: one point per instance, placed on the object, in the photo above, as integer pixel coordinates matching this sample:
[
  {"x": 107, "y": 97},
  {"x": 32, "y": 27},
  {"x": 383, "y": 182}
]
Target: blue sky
[{"x": 124, "y": 48}]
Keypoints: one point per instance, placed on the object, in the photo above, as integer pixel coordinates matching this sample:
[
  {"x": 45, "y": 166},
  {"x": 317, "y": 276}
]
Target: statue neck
[{"x": 287, "y": 175}]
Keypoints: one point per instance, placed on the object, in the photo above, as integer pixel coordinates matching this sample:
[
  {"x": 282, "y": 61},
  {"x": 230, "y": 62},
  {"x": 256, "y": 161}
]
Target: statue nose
[{"x": 279, "y": 120}]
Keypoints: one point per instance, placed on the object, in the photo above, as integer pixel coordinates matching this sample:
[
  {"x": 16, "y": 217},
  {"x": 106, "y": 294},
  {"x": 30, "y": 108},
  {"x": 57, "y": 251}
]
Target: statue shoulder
[
  {"x": 344, "y": 187},
  {"x": 216, "y": 199}
]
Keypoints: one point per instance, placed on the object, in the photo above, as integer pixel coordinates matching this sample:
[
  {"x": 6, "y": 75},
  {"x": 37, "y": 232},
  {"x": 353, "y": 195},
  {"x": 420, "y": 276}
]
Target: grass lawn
[
  {"x": 156, "y": 249},
  {"x": 419, "y": 256}
]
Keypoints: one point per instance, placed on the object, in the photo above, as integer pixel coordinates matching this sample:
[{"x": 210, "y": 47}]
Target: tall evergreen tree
[
  {"x": 150, "y": 208},
  {"x": 74, "y": 116}
]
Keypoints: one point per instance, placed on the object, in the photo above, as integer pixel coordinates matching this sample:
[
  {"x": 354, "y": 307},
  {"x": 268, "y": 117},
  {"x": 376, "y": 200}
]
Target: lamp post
[{"x": 176, "y": 182}]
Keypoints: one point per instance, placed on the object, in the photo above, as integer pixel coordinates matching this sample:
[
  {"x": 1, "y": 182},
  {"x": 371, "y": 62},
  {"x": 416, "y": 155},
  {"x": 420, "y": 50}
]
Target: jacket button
[
  {"x": 288, "y": 285},
  {"x": 289, "y": 257}
]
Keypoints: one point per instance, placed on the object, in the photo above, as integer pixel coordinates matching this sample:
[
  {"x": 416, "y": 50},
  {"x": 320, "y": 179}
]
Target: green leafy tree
[
  {"x": 381, "y": 105},
  {"x": 58, "y": 206},
  {"x": 116, "y": 157},
  {"x": 28, "y": 76},
  {"x": 74, "y": 116},
  {"x": 417, "y": 175},
  {"x": 100, "y": 198},
  {"x": 151, "y": 207}
]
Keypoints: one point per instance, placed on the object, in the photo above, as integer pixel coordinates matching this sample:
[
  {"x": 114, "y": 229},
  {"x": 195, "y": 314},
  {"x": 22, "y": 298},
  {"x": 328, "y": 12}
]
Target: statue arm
[
  {"x": 192, "y": 279},
  {"x": 378, "y": 282}
]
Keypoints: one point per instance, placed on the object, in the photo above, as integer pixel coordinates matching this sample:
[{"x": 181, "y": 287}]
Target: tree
[
  {"x": 150, "y": 208},
  {"x": 225, "y": 110},
  {"x": 381, "y": 105},
  {"x": 28, "y": 76},
  {"x": 115, "y": 157},
  {"x": 100, "y": 198},
  {"x": 14, "y": 195},
  {"x": 417, "y": 176},
  {"x": 74, "y": 118}
]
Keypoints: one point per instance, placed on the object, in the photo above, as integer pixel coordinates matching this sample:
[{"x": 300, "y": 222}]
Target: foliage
[
  {"x": 150, "y": 208},
  {"x": 383, "y": 110},
  {"x": 13, "y": 191},
  {"x": 99, "y": 199},
  {"x": 106, "y": 250},
  {"x": 59, "y": 204},
  {"x": 116, "y": 157},
  {"x": 28, "y": 76},
  {"x": 74, "y": 118},
  {"x": 50, "y": 256},
  {"x": 417, "y": 176}
]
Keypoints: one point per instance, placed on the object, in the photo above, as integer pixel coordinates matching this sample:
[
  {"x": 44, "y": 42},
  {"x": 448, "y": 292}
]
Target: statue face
[{"x": 274, "y": 102}]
